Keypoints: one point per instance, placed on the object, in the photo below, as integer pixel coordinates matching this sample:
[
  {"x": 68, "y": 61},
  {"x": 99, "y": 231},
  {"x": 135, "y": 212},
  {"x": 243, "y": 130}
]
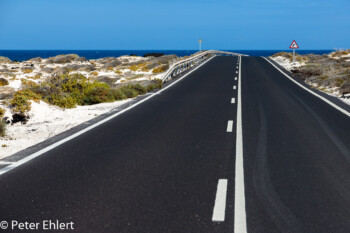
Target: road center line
[
  {"x": 229, "y": 127},
  {"x": 240, "y": 221},
  {"x": 220, "y": 201},
  {"x": 233, "y": 100}
]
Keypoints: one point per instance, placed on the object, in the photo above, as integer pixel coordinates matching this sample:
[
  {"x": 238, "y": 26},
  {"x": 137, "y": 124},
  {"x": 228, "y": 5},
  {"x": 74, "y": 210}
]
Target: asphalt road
[{"x": 156, "y": 167}]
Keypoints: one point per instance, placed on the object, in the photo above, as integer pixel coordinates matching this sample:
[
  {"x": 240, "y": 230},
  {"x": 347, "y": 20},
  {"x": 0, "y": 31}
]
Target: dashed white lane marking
[
  {"x": 5, "y": 162},
  {"x": 229, "y": 127},
  {"x": 306, "y": 89},
  {"x": 220, "y": 201},
  {"x": 234, "y": 87},
  {"x": 240, "y": 221},
  {"x": 236, "y": 72},
  {"x": 235, "y": 78},
  {"x": 233, "y": 100},
  {"x": 56, "y": 144}
]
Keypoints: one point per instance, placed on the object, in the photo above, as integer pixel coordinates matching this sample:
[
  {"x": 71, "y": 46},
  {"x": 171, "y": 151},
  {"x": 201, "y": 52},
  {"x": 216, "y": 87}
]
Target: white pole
[{"x": 293, "y": 55}]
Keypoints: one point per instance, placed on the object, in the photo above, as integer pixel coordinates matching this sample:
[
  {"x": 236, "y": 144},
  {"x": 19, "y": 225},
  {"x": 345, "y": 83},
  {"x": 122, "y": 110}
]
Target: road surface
[{"x": 179, "y": 162}]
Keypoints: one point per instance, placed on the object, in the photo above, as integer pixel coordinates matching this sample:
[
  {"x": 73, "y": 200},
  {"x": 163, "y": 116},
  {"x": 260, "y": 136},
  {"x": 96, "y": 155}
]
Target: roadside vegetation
[
  {"x": 328, "y": 72},
  {"x": 2, "y": 123},
  {"x": 70, "y": 90}
]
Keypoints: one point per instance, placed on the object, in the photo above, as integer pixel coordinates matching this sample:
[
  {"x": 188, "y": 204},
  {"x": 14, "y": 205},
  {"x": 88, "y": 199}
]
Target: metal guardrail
[{"x": 184, "y": 65}]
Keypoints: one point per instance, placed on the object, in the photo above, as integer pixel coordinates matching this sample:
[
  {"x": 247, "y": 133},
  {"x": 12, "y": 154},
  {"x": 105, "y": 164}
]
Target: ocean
[{"x": 22, "y": 55}]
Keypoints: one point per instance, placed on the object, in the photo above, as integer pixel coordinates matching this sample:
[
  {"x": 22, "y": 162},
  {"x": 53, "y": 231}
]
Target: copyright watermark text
[{"x": 45, "y": 225}]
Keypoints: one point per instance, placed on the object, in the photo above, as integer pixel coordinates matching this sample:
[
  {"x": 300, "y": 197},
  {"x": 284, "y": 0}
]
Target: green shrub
[
  {"x": 119, "y": 94},
  {"x": 69, "y": 90},
  {"x": 98, "y": 94},
  {"x": 2, "y": 128},
  {"x": 129, "y": 91},
  {"x": 160, "y": 69},
  {"x": 137, "y": 67},
  {"x": 28, "y": 83},
  {"x": 61, "y": 100},
  {"x": 4, "y": 82},
  {"x": 20, "y": 104},
  {"x": 2, "y": 112},
  {"x": 20, "y": 101},
  {"x": 140, "y": 89}
]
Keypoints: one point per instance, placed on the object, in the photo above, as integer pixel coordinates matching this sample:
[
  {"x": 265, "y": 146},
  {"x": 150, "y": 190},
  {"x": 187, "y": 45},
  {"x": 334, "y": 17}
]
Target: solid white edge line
[
  {"x": 240, "y": 221},
  {"x": 220, "y": 201},
  {"x": 305, "y": 88},
  {"x": 229, "y": 126},
  {"x": 56, "y": 144},
  {"x": 233, "y": 100}
]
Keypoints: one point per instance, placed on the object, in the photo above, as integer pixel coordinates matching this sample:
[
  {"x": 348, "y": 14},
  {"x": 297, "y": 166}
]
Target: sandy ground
[
  {"x": 286, "y": 63},
  {"x": 47, "y": 121}
]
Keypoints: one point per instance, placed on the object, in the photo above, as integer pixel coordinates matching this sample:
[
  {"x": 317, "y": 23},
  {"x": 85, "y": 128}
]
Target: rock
[
  {"x": 164, "y": 59},
  {"x": 36, "y": 59},
  {"x": 75, "y": 67},
  {"x": 333, "y": 82},
  {"x": 6, "y": 92},
  {"x": 113, "y": 64},
  {"x": 62, "y": 70},
  {"x": 105, "y": 60},
  {"x": 18, "y": 117},
  {"x": 153, "y": 55},
  {"x": 142, "y": 83},
  {"x": 151, "y": 65},
  {"x": 106, "y": 79},
  {"x": 5, "y": 60},
  {"x": 27, "y": 69},
  {"x": 345, "y": 88},
  {"x": 87, "y": 68},
  {"x": 62, "y": 59},
  {"x": 80, "y": 59},
  {"x": 109, "y": 62},
  {"x": 72, "y": 67},
  {"x": 170, "y": 57},
  {"x": 47, "y": 70}
]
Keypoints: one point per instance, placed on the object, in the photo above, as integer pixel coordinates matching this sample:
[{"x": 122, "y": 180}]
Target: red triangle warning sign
[{"x": 294, "y": 45}]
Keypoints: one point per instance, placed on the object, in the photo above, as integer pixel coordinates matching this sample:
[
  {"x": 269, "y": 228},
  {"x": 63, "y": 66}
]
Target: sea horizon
[{"x": 23, "y": 55}]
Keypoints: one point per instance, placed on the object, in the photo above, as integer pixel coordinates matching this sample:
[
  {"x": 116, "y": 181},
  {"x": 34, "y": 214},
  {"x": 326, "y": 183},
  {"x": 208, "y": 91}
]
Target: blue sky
[{"x": 174, "y": 24}]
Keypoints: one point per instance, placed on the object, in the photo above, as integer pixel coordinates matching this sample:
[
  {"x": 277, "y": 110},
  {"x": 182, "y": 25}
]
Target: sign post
[
  {"x": 294, "y": 46},
  {"x": 200, "y": 44}
]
